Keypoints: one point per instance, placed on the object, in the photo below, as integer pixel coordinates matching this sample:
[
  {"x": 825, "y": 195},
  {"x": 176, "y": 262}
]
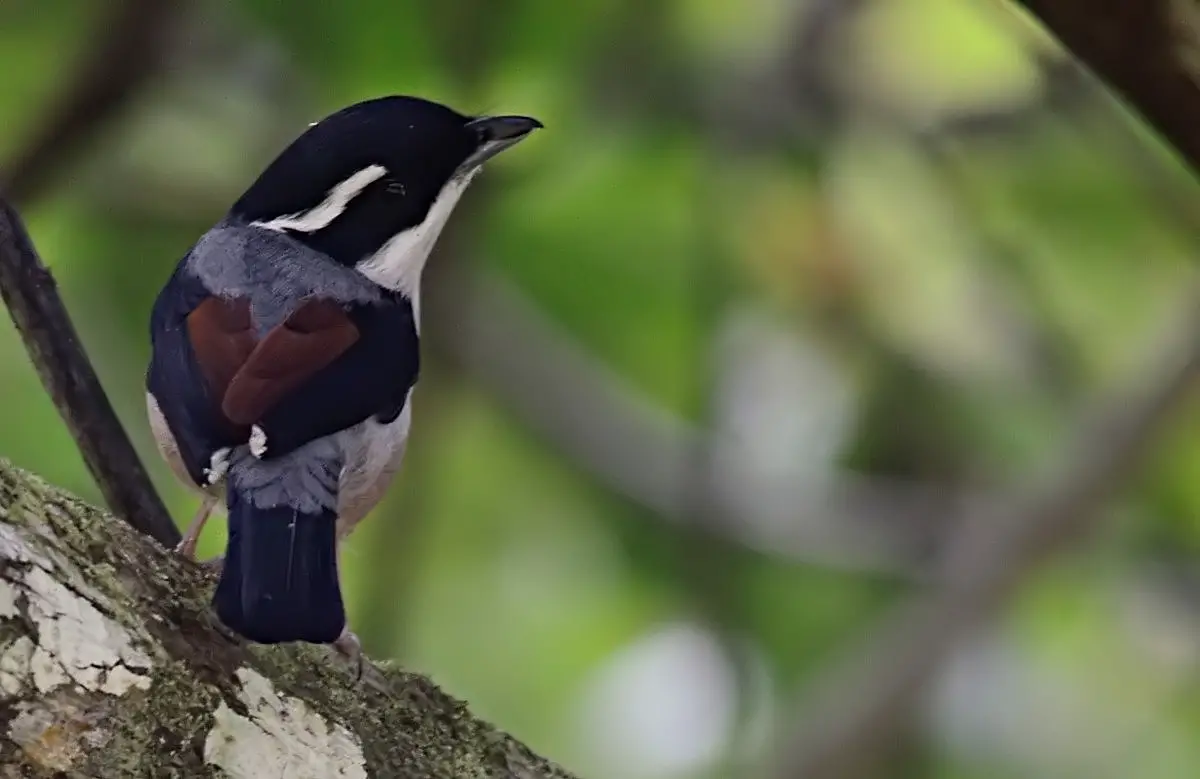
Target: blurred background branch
[
  {"x": 33, "y": 303},
  {"x": 131, "y": 43},
  {"x": 641, "y": 451},
  {"x": 127, "y": 52},
  {"x": 851, "y": 725}
]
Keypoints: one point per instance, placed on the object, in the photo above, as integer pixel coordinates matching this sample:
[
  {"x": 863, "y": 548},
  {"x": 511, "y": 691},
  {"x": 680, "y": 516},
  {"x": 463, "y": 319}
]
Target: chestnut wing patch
[
  {"x": 248, "y": 375},
  {"x": 222, "y": 337}
]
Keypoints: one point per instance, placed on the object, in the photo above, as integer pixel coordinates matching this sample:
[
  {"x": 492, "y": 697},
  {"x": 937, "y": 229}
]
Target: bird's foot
[
  {"x": 187, "y": 548},
  {"x": 364, "y": 671},
  {"x": 350, "y": 648}
]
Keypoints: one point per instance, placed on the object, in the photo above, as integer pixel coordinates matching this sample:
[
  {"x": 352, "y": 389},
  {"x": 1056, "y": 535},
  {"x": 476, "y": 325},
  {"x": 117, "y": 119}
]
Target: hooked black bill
[{"x": 497, "y": 133}]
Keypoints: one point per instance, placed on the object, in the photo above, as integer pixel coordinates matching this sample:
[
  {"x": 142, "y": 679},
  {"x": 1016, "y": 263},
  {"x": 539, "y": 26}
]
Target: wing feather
[
  {"x": 222, "y": 337},
  {"x": 249, "y": 376}
]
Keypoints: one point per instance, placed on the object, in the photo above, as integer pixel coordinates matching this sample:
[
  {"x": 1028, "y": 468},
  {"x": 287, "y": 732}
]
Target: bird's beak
[{"x": 497, "y": 133}]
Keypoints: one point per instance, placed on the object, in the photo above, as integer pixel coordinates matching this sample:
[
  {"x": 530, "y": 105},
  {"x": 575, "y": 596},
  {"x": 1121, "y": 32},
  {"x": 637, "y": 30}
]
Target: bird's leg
[
  {"x": 347, "y": 644},
  {"x": 365, "y": 673},
  {"x": 349, "y": 647},
  {"x": 218, "y": 466},
  {"x": 187, "y": 547}
]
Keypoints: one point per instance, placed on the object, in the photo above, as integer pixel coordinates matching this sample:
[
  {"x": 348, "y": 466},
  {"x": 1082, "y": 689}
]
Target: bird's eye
[{"x": 394, "y": 187}]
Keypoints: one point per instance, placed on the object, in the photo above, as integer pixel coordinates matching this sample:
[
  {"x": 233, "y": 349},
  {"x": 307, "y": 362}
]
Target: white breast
[
  {"x": 374, "y": 452},
  {"x": 170, "y": 450}
]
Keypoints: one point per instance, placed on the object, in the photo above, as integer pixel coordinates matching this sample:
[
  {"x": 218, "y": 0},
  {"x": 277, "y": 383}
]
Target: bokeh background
[{"x": 714, "y": 363}]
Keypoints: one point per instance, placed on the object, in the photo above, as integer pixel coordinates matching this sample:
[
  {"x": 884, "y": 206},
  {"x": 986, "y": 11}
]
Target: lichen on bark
[{"x": 111, "y": 665}]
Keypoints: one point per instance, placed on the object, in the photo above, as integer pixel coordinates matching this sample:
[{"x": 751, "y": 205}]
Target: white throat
[{"x": 399, "y": 262}]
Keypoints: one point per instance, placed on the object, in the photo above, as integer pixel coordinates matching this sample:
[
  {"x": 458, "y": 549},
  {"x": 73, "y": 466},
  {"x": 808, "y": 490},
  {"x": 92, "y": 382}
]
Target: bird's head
[{"x": 372, "y": 185}]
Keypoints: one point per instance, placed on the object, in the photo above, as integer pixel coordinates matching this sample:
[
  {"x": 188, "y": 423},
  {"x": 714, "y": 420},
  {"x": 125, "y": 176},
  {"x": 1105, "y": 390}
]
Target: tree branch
[
  {"x": 130, "y": 46},
  {"x": 110, "y": 665},
  {"x": 36, "y": 309},
  {"x": 1148, "y": 51}
]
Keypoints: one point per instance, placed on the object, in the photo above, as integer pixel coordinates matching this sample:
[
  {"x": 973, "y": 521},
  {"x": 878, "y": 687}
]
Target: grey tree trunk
[{"x": 111, "y": 666}]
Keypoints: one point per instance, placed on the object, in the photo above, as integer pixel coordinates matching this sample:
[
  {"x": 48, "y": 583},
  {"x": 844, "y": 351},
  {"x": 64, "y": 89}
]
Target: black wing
[
  {"x": 371, "y": 378},
  {"x": 178, "y": 383}
]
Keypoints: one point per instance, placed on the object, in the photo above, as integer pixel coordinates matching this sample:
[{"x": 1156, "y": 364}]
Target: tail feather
[{"x": 280, "y": 579}]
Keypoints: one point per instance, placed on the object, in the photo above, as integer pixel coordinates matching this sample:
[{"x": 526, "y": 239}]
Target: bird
[{"x": 285, "y": 348}]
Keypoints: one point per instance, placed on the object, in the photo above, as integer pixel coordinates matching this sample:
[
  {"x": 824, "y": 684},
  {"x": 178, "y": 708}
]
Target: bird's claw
[
  {"x": 364, "y": 672},
  {"x": 349, "y": 647},
  {"x": 186, "y": 548}
]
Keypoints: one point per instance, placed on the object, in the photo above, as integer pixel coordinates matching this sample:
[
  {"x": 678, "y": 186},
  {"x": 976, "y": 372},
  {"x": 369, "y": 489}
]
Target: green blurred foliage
[{"x": 974, "y": 289}]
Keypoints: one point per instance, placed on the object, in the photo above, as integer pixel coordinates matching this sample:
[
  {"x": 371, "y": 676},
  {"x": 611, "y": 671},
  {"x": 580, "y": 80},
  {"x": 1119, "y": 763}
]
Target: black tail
[{"x": 280, "y": 579}]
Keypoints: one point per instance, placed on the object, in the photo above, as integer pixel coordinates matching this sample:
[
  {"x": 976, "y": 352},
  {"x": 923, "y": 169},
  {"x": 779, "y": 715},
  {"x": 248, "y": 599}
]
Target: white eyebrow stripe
[{"x": 331, "y": 207}]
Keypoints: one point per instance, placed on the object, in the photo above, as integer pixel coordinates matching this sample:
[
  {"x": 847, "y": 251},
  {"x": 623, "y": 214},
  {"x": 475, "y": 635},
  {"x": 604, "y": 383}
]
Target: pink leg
[
  {"x": 347, "y": 644},
  {"x": 349, "y": 647},
  {"x": 187, "y": 547}
]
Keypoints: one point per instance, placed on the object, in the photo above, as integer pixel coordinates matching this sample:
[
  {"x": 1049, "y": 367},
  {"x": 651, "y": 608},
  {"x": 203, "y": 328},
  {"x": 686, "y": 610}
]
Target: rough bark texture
[{"x": 110, "y": 666}]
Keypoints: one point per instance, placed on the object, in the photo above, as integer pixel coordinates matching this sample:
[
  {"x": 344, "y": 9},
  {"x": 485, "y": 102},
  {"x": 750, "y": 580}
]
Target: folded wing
[{"x": 323, "y": 369}]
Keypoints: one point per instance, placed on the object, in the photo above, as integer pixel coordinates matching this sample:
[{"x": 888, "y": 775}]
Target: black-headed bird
[{"x": 285, "y": 350}]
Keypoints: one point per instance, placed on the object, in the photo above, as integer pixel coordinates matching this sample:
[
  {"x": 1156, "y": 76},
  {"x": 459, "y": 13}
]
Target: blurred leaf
[
  {"x": 611, "y": 253},
  {"x": 931, "y": 58}
]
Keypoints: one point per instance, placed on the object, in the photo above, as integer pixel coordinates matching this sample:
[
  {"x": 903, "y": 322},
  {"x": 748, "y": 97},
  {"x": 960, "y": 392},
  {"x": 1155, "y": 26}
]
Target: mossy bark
[{"x": 111, "y": 666}]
